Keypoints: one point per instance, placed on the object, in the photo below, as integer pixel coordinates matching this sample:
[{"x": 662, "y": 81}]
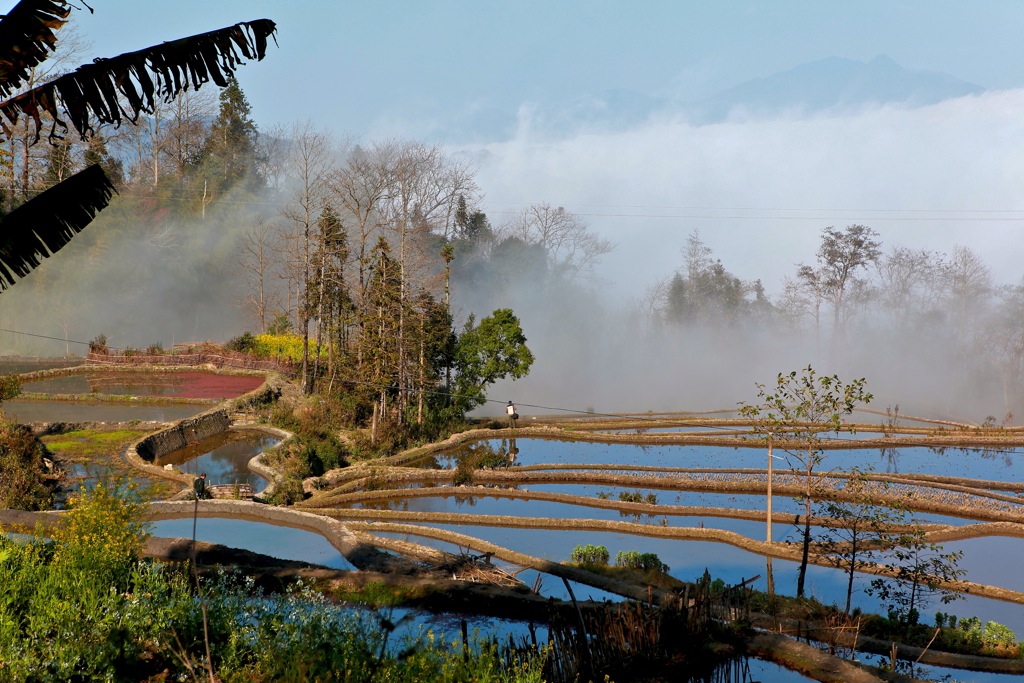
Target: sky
[
  {"x": 758, "y": 192},
  {"x": 362, "y": 67}
]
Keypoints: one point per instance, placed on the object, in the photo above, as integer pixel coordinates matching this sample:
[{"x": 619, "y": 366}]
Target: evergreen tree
[
  {"x": 230, "y": 153},
  {"x": 97, "y": 153}
]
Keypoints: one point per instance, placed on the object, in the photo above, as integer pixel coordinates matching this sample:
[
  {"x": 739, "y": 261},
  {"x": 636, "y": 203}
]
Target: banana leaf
[
  {"x": 27, "y": 39},
  {"x": 109, "y": 91},
  {"x": 44, "y": 224}
]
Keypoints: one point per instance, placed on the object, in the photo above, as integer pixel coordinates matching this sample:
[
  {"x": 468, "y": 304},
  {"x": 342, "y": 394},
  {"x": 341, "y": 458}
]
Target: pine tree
[{"x": 230, "y": 153}]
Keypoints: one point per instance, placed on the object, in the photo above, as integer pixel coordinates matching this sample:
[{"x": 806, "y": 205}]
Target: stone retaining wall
[
  {"x": 188, "y": 431},
  {"x": 142, "y": 454}
]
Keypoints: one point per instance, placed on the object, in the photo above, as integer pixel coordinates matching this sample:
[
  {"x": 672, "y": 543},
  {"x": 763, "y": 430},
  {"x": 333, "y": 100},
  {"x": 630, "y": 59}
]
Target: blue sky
[
  {"x": 759, "y": 191},
  {"x": 354, "y": 65}
]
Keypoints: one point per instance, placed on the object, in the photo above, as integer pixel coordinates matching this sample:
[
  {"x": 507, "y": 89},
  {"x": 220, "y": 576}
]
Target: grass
[
  {"x": 102, "y": 449},
  {"x": 85, "y": 444},
  {"x": 377, "y": 594}
]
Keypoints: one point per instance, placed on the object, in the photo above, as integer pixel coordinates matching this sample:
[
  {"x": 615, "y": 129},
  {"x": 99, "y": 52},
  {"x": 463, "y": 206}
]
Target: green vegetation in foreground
[{"x": 86, "y": 608}]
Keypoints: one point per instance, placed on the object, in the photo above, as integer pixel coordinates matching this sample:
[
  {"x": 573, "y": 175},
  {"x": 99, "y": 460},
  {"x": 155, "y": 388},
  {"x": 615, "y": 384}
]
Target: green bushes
[
  {"x": 85, "y": 608},
  {"x": 244, "y": 343},
  {"x": 10, "y": 387},
  {"x": 24, "y": 483},
  {"x": 998, "y": 635},
  {"x": 590, "y": 554},
  {"x": 637, "y": 560},
  {"x": 638, "y": 497}
]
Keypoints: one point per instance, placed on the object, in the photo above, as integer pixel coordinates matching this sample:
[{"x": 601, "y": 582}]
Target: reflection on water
[
  {"x": 975, "y": 463},
  {"x": 224, "y": 457},
  {"x": 688, "y": 560},
  {"x": 281, "y": 542},
  {"x": 59, "y": 411},
  {"x": 17, "y": 365}
]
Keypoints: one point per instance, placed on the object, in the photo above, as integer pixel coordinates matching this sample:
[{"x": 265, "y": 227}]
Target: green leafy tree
[
  {"x": 379, "y": 341},
  {"x": 921, "y": 573},
  {"x": 800, "y": 408},
  {"x": 485, "y": 353},
  {"x": 860, "y": 527}
]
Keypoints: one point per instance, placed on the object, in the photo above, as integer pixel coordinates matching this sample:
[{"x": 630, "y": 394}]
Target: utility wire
[
  {"x": 451, "y": 394},
  {"x": 43, "y": 336}
]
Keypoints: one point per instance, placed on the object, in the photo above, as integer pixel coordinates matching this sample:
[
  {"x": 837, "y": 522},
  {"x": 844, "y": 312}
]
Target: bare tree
[
  {"x": 968, "y": 286},
  {"x": 257, "y": 262},
  {"x": 309, "y": 163},
  {"x": 840, "y": 256},
  {"x": 907, "y": 282},
  {"x": 566, "y": 237}
]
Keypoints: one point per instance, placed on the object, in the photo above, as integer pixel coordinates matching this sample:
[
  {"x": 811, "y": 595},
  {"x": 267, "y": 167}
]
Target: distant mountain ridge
[{"x": 831, "y": 85}]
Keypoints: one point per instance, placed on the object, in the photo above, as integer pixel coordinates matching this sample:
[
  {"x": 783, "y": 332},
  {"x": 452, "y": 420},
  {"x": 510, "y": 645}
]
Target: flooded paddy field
[
  {"x": 149, "y": 384},
  {"x": 91, "y": 456},
  {"x": 687, "y": 561},
  {"x": 26, "y": 411},
  {"x": 989, "y": 464},
  {"x": 282, "y": 542},
  {"x": 967, "y": 483},
  {"x": 224, "y": 458},
  {"x": 17, "y": 365}
]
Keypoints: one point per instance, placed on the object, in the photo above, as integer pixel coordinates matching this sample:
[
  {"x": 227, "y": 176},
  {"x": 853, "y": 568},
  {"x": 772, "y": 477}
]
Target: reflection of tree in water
[
  {"x": 484, "y": 456},
  {"x": 224, "y": 457},
  {"x": 891, "y": 458},
  {"x": 461, "y": 500},
  {"x": 993, "y": 454}
]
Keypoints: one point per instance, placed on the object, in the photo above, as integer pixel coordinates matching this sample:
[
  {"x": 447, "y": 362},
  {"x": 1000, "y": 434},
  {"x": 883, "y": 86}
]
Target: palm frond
[
  {"x": 124, "y": 87},
  {"x": 44, "y": 224},
  {"x": 27, "y": 39}
]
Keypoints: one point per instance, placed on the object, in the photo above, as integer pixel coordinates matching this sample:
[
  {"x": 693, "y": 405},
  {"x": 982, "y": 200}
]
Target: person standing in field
[{"x": 512, "y": 415}]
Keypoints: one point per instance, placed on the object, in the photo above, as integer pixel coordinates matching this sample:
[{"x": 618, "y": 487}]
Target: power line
[
  {"x": 43, "y": 336},
  {"x": 439, "y": 392}
]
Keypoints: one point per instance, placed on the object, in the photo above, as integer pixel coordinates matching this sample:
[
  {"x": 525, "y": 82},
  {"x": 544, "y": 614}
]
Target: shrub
[
  {"x": 155, "y": 349},
  {"x": 98, "y": 344},
  {"x": 463, "y": 475},
  {"x": 287, "y": 492},
  {"x": 66, "y": 617},
  {"x": 24, "y": 484},
  {"x": 322, "y": 453},
  {"x": 10, "y": 387},
  {"x": 590, "y": 554},
  {"x": 633, "y": 559},
  {"x": 637, "y": 497},
  {"x": 242, "y": 344},
  {"x": 997, "y": 635}
]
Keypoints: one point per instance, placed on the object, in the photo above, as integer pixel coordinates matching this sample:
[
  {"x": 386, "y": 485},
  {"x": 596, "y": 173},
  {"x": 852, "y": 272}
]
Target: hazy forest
[{"x": 222, "y": 226}]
